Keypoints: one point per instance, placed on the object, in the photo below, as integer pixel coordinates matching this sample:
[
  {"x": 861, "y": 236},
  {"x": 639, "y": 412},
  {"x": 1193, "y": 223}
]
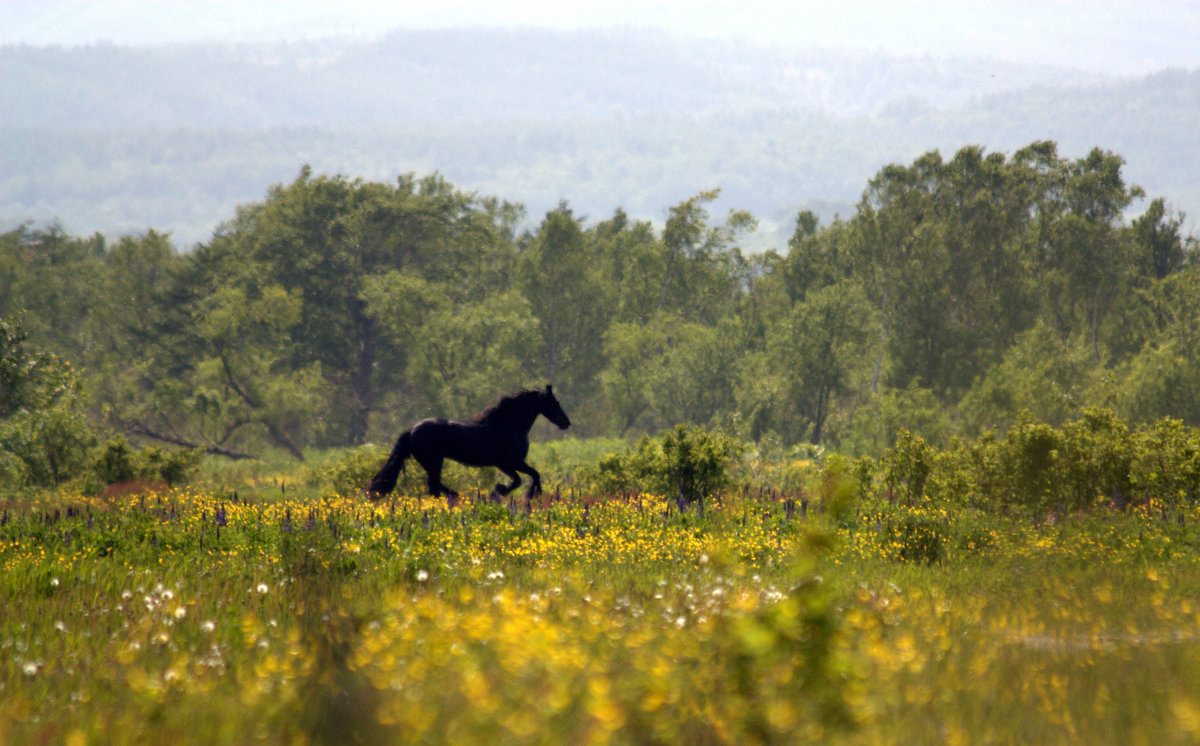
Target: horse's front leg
[
  {"x": 535, "y": 484},
  {"x": 502, "y": 489}
]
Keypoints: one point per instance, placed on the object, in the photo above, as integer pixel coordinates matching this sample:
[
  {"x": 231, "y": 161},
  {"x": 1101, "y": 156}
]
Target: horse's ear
[{"x": 549, "y": 390}]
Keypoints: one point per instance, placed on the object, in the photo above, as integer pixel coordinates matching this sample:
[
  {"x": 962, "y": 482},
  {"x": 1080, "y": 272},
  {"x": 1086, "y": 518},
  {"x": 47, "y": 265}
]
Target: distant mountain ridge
[
  {"x": 120, "y": 139},
  {"x": 470, "y": 75}
]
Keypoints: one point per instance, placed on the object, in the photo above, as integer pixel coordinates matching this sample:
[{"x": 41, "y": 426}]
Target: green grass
[{"x": 295, "y": 615}]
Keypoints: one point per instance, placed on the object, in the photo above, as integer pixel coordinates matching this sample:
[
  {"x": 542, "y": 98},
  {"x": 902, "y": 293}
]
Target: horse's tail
[{"x": 385, "y": 480}]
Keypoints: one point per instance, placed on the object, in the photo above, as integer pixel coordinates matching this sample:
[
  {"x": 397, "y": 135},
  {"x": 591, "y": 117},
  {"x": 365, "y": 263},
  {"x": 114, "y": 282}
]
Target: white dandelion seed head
[{"x": 422, "y": 576}]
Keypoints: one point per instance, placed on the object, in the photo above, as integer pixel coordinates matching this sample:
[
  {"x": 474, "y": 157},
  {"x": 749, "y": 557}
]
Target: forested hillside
[
  {"x": 963, "y": 289},
  {"x": 121, "y": 139}
]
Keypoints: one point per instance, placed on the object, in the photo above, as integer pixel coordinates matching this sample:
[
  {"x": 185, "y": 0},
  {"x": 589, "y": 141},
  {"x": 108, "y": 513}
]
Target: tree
[
  {"x": 939, "y": 247},
  {"x": 1159, "y": 249},
  {"x": 1041, "y": 373},
  {"x": 51, "y": 276},
  {"x": 815, "y": 356},
  {"x": 44, "y": 432},
  {"x": 469, "y": 353},
  {"x": 669, "y": 371},
  {"x": 320, "y": 238},
  {"x": 560, "y": 277},
  {"x": 1085, "y": 263},
  {"x": 1160, "y": 381}
]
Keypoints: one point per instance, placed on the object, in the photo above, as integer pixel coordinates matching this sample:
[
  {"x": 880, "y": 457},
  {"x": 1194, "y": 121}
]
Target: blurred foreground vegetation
[
  {"x": 931, "y": 477},
  {"x": 861, "y": 604}
]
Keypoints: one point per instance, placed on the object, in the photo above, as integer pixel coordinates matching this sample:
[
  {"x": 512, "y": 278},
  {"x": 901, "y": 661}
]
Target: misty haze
[{"x": 173, "y": 137}]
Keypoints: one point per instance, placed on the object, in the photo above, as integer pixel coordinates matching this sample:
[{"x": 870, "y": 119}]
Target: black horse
[{"x": 498, "y": 437}]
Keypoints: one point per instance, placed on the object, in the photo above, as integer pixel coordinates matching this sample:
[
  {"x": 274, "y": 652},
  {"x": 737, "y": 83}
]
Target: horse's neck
[
  {"x": 517, "y": 420},
  {"x": 521, "y": 421}
]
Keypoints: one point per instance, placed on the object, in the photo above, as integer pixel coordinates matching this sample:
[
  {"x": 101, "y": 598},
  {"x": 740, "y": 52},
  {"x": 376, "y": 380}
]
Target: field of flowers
[{"x": 204, "y": 617}]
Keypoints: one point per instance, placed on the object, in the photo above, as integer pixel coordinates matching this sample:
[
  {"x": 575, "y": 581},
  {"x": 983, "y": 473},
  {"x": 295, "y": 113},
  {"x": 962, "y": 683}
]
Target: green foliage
[
  {"x": 686, "y": 462},
  {"x": 350, "y": 473},
  {"x": 1064, "y": 469},
  {"x": 669, "y": 371},
  {"x": 838, "y": 488},
  {"x": 44, "y": 433},
  {"x": 1094, "y": 460},
  {"x": 116, "y": 461},
  {"x": 336, "y": 311},
  {"x": 469, "y": 354},
  {"x": 875, "y": 423},
  {"x": 813, "y": 357},
  {"x": 906, "y": 468},
  {"x": 563, "y": 460},
  {"x": 912, "y": 537}
]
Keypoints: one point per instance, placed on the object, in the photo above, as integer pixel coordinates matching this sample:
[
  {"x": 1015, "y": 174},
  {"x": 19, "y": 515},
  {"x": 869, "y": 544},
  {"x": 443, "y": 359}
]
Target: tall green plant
[{"x": 687, "y": 462}]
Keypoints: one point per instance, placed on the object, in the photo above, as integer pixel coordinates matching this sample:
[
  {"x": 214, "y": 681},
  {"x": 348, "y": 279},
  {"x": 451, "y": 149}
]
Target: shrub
[
  {"x": 1166, "y": 464},
  {"x": 1096, "y": 459},
  {"x": 350, "y": 473},
  {"x": 688, "y": 462},
  {"x": 838, "y": 488},
  {"x": 913, "y": 537},
  {"x": 116, "y": 461},
  {"x": 906, "y": 467}
]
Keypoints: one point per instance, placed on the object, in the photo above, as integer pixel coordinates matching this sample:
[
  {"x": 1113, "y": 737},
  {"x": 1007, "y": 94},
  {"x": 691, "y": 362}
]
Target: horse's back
[{"x": 466, "y": 442}]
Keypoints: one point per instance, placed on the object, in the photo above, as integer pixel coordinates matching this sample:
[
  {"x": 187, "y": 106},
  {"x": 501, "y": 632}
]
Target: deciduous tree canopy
[{"x": 961, "y": 291}]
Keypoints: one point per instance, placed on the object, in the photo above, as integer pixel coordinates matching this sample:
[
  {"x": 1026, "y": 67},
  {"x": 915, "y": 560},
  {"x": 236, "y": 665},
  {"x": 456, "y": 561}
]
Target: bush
[
  {"x": 1096, "y": 459},
  {"x": 350, "y": 473},
  {"x": 688, "y": 462},
  {"x": 838, "y": 488},
  {"x": 913, "y": 537},
  {"x": 1166, "y": 465},
  {"x": 116, "y": 461},
  {"x": 906, "y": 468},
  {"x": 1058, "y": 469}
]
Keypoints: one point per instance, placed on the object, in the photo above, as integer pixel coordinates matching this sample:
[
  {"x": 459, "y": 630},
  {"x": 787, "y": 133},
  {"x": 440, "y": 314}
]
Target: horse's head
[{"x": 552, "y": 410}]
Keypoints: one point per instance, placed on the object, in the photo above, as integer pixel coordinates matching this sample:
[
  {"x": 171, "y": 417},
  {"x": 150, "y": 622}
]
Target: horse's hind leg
[
  {"x": 535, "y": 485},
  {"x": 433, "y": 470},
  {"x": 503, "y": 489}
]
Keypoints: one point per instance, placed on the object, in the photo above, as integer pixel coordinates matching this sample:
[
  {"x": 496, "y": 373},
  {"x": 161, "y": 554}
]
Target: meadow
[{"x": 255, "y": 607}]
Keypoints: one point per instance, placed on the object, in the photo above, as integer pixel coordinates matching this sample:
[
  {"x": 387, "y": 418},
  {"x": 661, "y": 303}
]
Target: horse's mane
[{"x": 506, "y": 406}]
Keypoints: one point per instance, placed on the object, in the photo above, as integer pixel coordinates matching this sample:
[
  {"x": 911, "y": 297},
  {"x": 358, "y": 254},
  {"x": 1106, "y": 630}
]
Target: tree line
[{"x": 336, "y": 311}]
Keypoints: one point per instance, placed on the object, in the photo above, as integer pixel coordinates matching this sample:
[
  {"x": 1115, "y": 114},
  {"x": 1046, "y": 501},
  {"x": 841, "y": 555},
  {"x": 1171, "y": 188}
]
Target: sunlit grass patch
[{"x": 199, "y": 616}]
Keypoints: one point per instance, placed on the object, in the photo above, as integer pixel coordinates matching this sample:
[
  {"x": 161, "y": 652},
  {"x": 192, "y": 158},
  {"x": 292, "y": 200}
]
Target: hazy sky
[{"x": 1114, "y": 36}]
